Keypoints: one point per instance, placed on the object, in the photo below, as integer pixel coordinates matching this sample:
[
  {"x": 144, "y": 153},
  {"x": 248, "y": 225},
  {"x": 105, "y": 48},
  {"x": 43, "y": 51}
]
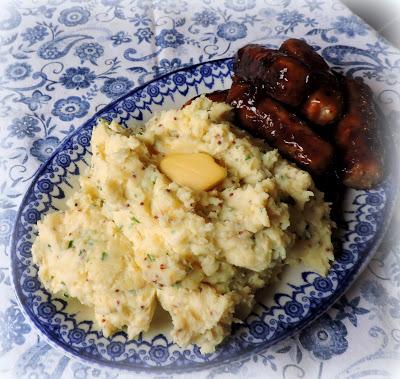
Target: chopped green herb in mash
[{"x": 210, "y": 250}]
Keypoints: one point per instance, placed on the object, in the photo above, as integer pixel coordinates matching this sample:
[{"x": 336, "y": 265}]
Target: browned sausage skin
[
  {"x": 356, "y": 135},
  {"x": 282, "y": 77},
  {"x": 266, "y": 118},
  {"x": 217, "y": 96},
  {"x": 305, "y": 53},
  {"x": 357, "y": 138},
  {"x": 324, "y": 105}
]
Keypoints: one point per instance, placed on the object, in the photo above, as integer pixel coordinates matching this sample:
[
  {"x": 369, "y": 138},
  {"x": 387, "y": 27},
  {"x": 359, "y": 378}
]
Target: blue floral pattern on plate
[
  {"x": 325, "y": 338},
  {"x": 278, "y": 317}
]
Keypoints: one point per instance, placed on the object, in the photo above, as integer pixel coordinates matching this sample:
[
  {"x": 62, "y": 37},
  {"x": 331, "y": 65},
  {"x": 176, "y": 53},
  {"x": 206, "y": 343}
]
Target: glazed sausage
[
  {"x": 324, "y": 105},
  {"x": 305, "y": 53},
  {"x": 217, "y": 96},
  {"x": 358, "y": 140},
  {"x": 267, "y": 119},
  {"x": 282, "y": 77}
]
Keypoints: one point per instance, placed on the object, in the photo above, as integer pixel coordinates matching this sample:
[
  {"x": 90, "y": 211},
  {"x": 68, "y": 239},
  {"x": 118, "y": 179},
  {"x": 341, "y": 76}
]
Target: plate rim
[{"x": 195, "y": 367}]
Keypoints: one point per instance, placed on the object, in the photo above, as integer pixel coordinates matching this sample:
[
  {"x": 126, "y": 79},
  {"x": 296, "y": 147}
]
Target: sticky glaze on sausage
[
  {"x": 266, "y": 118},
  {"x": 217, "y": 96},
  {"x": 282, "y": 77},
  {"x": 324, "y": 104},
  {"x": 357, "y": 138},
  {"x": 305, "y": 53}
]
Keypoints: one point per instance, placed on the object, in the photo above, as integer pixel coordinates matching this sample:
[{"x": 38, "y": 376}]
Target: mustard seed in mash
[{"x": 140, "y": 231}]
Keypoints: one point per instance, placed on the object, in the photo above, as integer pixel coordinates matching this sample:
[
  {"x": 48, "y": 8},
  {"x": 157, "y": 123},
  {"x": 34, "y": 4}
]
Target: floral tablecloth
[{"x": 60, "y": 61}]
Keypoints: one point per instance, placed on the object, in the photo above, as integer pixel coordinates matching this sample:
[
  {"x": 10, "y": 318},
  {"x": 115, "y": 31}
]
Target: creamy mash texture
[{"x": 131, "y": 237}]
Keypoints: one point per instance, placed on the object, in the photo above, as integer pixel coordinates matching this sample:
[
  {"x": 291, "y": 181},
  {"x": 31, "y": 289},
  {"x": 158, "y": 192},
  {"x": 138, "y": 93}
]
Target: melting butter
[{"x": 197, "y": 171}]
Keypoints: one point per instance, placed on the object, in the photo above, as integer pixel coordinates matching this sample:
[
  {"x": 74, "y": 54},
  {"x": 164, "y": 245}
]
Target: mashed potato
[{"x": 131, "y": 237}]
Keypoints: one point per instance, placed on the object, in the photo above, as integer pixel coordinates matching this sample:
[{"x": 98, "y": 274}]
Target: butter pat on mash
[
  {"x": 197, "y": 171},
  {"x": 140, "y": 230}
]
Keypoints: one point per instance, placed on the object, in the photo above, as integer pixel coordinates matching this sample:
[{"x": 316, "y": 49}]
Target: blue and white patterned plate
[{"x": 299, "y": 298}]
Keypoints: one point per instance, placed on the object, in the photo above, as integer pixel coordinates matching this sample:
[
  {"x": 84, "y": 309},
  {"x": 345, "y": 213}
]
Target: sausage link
[
  {"x": 217, "y": 96},
  {"x": 282, "y": 77},
  {"x": 266, "y": 118},
  {"x": 324, "y": 105},
  {"x": 305, "y": 53},
  {"x": 357, "y": 137}
]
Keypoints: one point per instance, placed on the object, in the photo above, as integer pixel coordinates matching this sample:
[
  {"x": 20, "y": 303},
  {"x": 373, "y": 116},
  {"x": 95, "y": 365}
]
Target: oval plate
[{"x": 299, "y": 298}]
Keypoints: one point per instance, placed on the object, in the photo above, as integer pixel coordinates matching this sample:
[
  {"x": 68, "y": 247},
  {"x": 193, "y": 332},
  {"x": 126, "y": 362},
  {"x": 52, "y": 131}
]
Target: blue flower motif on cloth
[
  {"x": 35, "y": 34},
  {"x": 166, "y": 65},
  {"x": 374, "y": 292},
  {"x": 143, "y": 34},
  {"x": 308, "y": 21},
  {"x": 12, "y": 328},
  {"x": 116, "y": 87},
  {"x": 5, "y": 110},
  {"x": 377, "y": 48},
  {"x": 59, "y": 46},
  {"x": 349, "y": 309},
  {"x": 26, "y": 126},
  {"x": 40, "y": 360},
  {"x": 7, "y": 218},
  {"x": 394, "y": 307},
  {"x": 351, "y": 26},
  {"x": 36, "y": 100},
  {"x": 291, "y": 19},
  {"x": 43, "y": 148},
  {"x": 389, "y": 75},
  {"x": 70, "y": 108},
  {"x": 313, "y": 5},
  {"x": 46, "y": 11},
  {"x": 325, "y": 338},
  {"x": 205, "y": 18},
  {"x": 170, "y": 6},
  {"x": 144, "y": 4},
  {"x": 240, "y": 5},
  {"x": 140, "y": 19},
  {"x": 76, "y": 78},
  {"x": 232, "y": 31},
  {"x": 89, "y": 51},
  {"x": 18, "y": 71},
  {"x": 169, "y": 38},
  {"x": 74, "y": 16},
  {"x": 111, "y": 3},
  {"x": 119, "y": 38},
  {"x": 81, "y": 371}
]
